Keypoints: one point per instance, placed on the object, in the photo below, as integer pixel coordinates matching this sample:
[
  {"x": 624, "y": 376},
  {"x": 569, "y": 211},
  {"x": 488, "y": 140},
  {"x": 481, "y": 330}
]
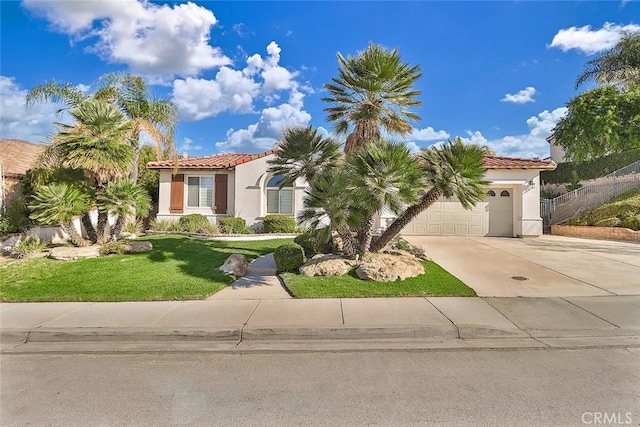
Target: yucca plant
[{"x": 59, "y": 204}]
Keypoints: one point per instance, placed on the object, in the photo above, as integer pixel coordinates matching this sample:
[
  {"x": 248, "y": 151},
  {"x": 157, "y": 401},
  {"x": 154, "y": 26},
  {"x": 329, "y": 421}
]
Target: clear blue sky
[{"x": 497, "y": 73}]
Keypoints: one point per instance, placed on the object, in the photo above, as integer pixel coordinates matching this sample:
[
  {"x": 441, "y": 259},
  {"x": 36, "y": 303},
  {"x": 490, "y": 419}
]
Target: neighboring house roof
[
  {"x": 218, "y": 161},
  {"x": 18, "y": 156},
  {"x": 497, "y": 162}
]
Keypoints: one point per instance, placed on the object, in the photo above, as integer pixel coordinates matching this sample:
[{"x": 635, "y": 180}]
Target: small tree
[
  {"x": 123, "y": 199},
  {"x": 58, "y": 204}
]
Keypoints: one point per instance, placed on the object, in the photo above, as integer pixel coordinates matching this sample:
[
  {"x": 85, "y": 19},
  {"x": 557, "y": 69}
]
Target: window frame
[
  {"x": 200, "y": 189},
  {"x": 280, "y": 191}
]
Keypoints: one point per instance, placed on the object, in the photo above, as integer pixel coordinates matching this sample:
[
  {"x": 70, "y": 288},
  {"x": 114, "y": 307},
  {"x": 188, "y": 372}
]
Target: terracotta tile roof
[
  {"x": 18, "y": 156},
  {"x": 218, "y": 161},
  {"x": 497, "y": 162}
]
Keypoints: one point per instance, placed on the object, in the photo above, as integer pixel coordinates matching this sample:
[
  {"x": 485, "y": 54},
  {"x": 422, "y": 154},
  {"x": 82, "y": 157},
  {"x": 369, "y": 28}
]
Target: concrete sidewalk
[{"x": 460, "y": 321}]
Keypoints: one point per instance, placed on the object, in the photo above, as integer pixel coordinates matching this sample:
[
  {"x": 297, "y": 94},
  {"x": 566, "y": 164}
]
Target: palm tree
[
  {"x": 97, "y": 143},
  {"x": 455, "y": 169},
  {"x": 153, "y": 117},
  {"x": 619, "y": 65},
  {"x": 71, "y": 96},
  {"x": 327, "y": 210},
  {"x": 123, "y": 199},
  {"x": 303, "y": 152},
  {"x": 383, "y": 175},
  {"x": 373, "y": 91},
  {"x": 59, "y": 203}
]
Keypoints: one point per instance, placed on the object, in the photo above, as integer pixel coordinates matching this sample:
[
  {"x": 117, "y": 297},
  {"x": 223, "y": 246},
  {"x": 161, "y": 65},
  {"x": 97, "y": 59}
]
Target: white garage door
[
  {"x": 491, "y": 217},
  {"x": 448, "y": 218}
]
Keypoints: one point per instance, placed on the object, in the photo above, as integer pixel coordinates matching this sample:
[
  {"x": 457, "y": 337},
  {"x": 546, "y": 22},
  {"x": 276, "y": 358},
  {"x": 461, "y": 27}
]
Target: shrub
[
  {"x": 574, "y": 182},
  {"x": 279, "y": 224},
  {"x": 133, "y": 227},
  {"x": 590, "y": 169},
  {"x": 233, "y": 225},
  {"x": 193, "y": 223},
  {"x": 547, "y": 193},
  {"x": 113, "y": 247},
  {"x": 623, "y": 211},
  {"x": 312, "y": 245},
  {"x": 162, "y": 225},
  {"x": 15, "y": 217},
  {"x": 27, "y": 246},
  {"x": 289, "y": 257}
]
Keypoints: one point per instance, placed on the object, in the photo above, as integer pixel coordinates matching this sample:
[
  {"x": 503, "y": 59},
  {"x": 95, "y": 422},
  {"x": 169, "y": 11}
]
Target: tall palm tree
[
  {"x": 373, "y": 91},
  {"x": 153, "y": 117},
  {"x": 619, "y": 65},
  {"x": 382, "y": 175},
  {"x": 455, "y": 169},
  {"x": 123, "y": 199},
  {"x": 59, "y": 203},
  {"x": 327, "y": 210},
  {"x": 95, "y": 142},
  {"x": 303, "y": 152}
]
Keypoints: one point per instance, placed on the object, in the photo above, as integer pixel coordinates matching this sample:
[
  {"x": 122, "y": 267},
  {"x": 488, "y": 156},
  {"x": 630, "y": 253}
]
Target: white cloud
[
  {"x": 522, "y": 97},
  {"x": 532, "y": 144},
  {"x": 427, "y": 134},
  {"x": 264, "y": 134},
  {"x": 235, "y": 91},
  {"x": 33, "y": 124},
  {"x": 590, "y": 41},
  {"x": 151, "y": 39},
  {"x": 229, "y": 91},
  {"x": 413, "y": 147}
]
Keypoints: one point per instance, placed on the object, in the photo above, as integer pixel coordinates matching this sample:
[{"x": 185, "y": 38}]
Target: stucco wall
[
  {"x": 251, "y": 193},
  {"x": 165, "y": 195}
]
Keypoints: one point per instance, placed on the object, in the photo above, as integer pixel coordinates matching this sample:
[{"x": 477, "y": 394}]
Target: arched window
[
  {"x": 504, "y": 193},
  {"x": 279, "y": 200},
  {"x": 491, "y": 193}
]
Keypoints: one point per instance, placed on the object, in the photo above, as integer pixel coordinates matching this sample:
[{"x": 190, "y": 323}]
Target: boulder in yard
[
  {"x": 7, "y": 245},
  {"x": 326, "y": 265},
  {"x": 236, "y": 265},
  {"x": 135, "y": 247},
  {"x": 69, "y": 253},
  {"x": 388, "y": 268}
]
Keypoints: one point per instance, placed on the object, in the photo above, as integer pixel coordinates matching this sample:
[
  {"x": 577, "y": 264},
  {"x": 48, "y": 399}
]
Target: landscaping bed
[
  {"x": 178, "y": 268},
  {"x": 435, "y": 282}
]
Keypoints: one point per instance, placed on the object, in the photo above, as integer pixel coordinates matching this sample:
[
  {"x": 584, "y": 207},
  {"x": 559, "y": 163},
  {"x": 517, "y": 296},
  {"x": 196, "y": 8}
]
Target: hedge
[
  {"x": 312, "y": 245},
  {"x": 233, "y": 225},
  {"x": 590, "y": 169},
  {"x": 278, "y": 224}
]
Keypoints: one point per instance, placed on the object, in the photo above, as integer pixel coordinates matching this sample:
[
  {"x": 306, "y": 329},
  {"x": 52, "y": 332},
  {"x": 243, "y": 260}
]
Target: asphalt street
[{"x": 560, "y": 387}]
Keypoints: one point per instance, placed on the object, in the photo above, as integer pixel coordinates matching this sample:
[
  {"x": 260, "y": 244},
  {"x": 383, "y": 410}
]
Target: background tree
[
  {"x": 455, "y": 169},
  {"x": 619, "y": 65},
  {"x": 373, "y": 92},
  {"x": 605, "y": 119},
  {"x": 154, "y": 117},
  {"x": 60, "y": 203},
  {"x": 600, "y": 121}
]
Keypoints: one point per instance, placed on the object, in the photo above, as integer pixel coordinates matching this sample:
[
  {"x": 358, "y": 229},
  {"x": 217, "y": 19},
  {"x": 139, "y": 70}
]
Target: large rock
[
  {"x": 388, "y": 268},
  {"x": 326, "y": 265},
  {"x": 135, "y": 246},
  {"x": 67, "y": 253},
  {"x": 236, "y": 264},
  {"x": 7, "y": 245}
]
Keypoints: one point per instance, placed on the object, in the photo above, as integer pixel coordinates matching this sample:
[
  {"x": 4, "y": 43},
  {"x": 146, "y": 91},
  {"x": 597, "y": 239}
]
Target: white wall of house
[{"x": 251, "y": 191}]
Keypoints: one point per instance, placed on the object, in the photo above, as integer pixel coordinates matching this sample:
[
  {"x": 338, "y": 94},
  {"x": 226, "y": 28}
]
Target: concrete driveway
[{"x": 548, "y": 266}]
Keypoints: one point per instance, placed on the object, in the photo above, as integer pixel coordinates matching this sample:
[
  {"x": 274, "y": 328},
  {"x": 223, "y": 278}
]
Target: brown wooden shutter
[
  {"x": 220, "y": 203},
  {"x": 177, "y": 193}
]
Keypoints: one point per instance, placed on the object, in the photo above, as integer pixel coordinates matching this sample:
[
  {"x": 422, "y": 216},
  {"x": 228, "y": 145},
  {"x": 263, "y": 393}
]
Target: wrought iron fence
[{"x": 561, "y": 208}]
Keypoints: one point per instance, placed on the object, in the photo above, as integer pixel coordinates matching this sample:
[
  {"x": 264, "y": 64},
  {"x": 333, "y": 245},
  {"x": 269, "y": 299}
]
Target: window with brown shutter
[
  {"x": 177, "y": 193},
  {"x": 220, "y": 205}
]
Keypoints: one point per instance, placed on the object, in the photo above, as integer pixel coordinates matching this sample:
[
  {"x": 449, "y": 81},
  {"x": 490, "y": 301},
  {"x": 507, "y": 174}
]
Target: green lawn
[
  {"x": 178, "y": 268},
  {"x": 435, "y": 282}
]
